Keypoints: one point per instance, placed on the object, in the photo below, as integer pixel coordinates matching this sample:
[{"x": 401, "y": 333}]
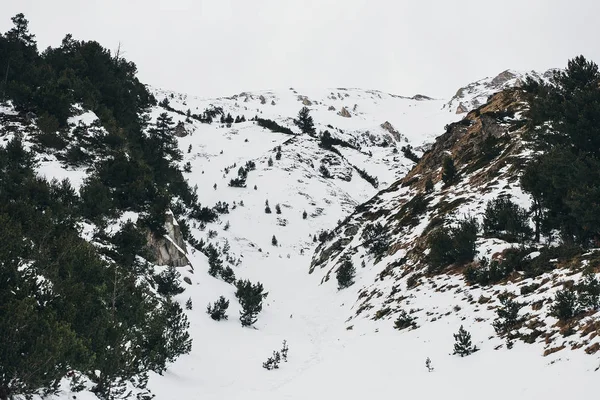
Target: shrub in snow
[
  {"x": 188, "y": 304},
  {"x": 428, "y": 364},
  {"x": 217, "y": 311},
  {"x": 274, "y": 241},
  {"x": 284, "y": 351},
  {"x": 405, "y": 320},
  {"x": 277, "y": 209},
  {"x": 462, "y": 343},
  {"x": 508, "y": 315},
  {"x": 304, "y": 214},
  {"x": 455, "y": 246},
  {"x": 272, "y": 362},
  {"x": 506, "y": 220},
  {"x": 345, "y": 274},
  {"x": 565, "y": 305}
]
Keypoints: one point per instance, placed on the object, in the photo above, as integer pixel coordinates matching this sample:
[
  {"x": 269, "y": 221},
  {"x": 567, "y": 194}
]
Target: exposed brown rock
[{"x": 344, "y": 113}]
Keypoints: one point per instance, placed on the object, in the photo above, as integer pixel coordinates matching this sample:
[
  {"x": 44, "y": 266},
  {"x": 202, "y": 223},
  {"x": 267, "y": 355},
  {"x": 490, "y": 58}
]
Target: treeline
[{"x": 66, "y": 305}]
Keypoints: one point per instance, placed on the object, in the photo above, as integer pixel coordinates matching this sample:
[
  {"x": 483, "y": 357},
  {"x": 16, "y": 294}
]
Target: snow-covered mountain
[{"x": 342, "y": 343}]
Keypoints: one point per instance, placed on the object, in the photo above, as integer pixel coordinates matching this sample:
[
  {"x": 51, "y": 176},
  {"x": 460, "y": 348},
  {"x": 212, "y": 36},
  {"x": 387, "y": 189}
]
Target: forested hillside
[{"x": 68, "y": 304}]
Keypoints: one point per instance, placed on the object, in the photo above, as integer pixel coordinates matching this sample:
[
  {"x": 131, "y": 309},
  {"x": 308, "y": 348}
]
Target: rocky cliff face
[{"x": 169, "y": 249}]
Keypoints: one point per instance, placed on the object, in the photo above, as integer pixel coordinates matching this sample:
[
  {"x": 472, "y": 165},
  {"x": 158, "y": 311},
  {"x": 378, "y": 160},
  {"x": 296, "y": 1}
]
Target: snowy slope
[{"x": 331, "y": 355}]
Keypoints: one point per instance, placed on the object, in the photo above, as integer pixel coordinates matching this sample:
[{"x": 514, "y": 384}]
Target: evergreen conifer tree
[
  {"x": 218, "y": 310},
  {"x": 448, "y": 170},
  {"x": 463, "y": 346},
  {"x": 305, "y": 121},
  {"x": 250, "y": 297}
]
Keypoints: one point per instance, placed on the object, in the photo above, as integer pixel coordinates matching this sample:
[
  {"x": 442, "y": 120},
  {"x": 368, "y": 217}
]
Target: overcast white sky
[{"x": 223, "y": 47}]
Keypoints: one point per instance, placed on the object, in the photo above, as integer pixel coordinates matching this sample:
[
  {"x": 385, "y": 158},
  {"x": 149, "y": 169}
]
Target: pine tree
[
  {"x": 270, "y": 162},
  {"x": 463, "y": 346},
  {"x": 274, "y": 241},
  {"x": 218, "y": 310},
  {"x": 305, "y": 121},
  {"x": 448, "y": 170},
  {"x": 589, "y": 291},
  {"x": 168, "y": 282},
  {"x": 565, "y": 305},
  {"x": 345, "y": 274},
  {"x": 428, "y": 185},
  {"x": 277, "y": 209},
  {"x": 284, "y": 351},
  {"x": 20, "y": 32},
  {"x": 508, "y": 315},
  {"x": 250, "y": 297},
  {"x": 304, "y": 214},
  {"x": 163, "y": 139}
]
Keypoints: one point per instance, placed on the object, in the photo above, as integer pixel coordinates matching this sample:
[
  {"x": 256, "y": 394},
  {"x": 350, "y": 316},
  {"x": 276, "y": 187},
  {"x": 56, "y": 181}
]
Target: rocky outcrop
[
  {"x": 305, "y": 101},
  {"x": 390, "y": 128},
  {"x": 169, "y": 249},
  {"x": 461, "y": 109},
  {"x": 344, "y": 113}
]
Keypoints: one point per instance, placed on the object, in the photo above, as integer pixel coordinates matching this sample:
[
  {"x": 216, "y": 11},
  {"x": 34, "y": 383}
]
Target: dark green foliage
[
  {"x": 345, "y": 274},
  {"x": 507, "y": 315},
  {"x": 274, "y": 241},
  {"x": 284, "y": 351},
  {"x": 272, "y": 362},
  {"x": 589, "y": 292},
  {"x": 462, "y": 343},
  {"x": 304, "y": 214},
  {"x": 167, "y": 282},
  {"x": 449, "y": 172},
  {"x": 428, "y": 185},
  {"x": 405, "y": 320},
  {"x": 305, "y": 121},
  {"x": 409, "y": 153},
  {"x": 369, "y": 178},
  {"x": 464, "y": 237},
  {"x": 250, "y": 297},
  {"x": 270, "y": 162},
  {"x": 441, "y": 250},
  {"x": 238, "y": 182},
  {"x": 215, "y": 265},
  {"x": 326, "y": 141},
  {"x": 376, "y": 239},
  {"x": 228, "y": 275},
  {"x": 454, "y": 245},
  {"x": 96, "y": 315},
  {"x": 565, "y": 305},
  {"x": 188, "y": 304},
  {"x": 277, "y": 209},
  {"x": 563, "y": 178},
  {"x": 218, "y": 310},
  {"x": 506, "y": 220},
  {"x": 273, "y": 126},
  {"x": 222, "y": 207}
]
